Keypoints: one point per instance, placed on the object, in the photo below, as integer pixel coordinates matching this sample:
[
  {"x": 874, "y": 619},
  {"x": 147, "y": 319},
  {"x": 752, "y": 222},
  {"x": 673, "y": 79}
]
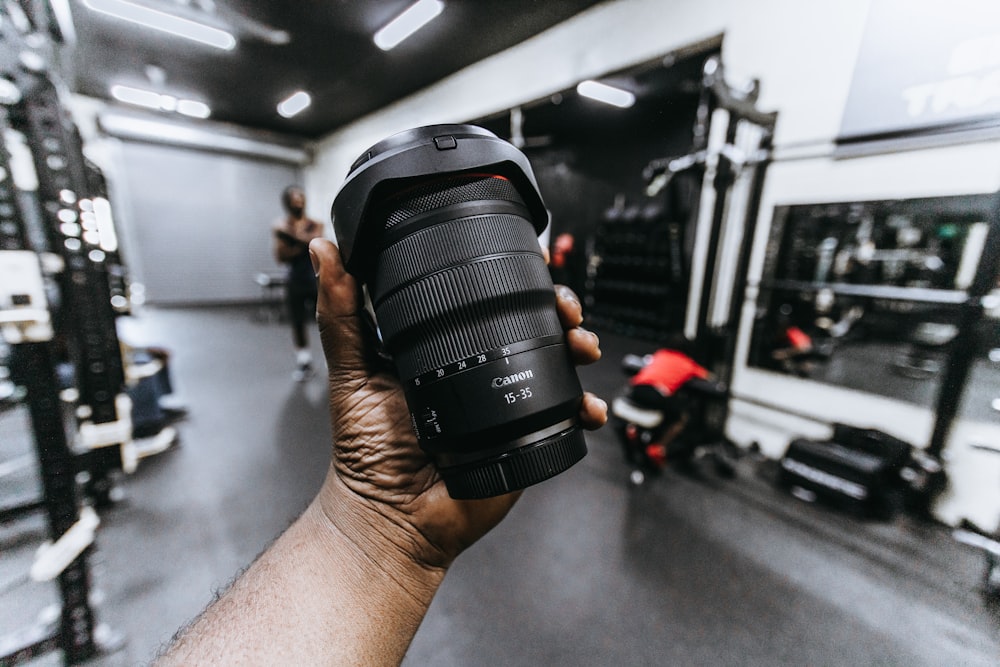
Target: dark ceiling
[
  {"x": 330, "y": 53},
  {"x": 667, "y": 91}
]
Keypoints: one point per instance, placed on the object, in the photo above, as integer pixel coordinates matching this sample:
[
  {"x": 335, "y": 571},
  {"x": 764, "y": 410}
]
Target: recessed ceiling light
[
  {"x": 413, "y": 19},
  {"x": 295, "y": 104},
  {"x": 602, "y": 92},
  {"x": 169, "y": 23},
  {"x": 136, "y": 96}
]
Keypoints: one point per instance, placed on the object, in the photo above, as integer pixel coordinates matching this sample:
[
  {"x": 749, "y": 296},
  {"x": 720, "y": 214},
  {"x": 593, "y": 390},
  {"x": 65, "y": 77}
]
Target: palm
[{"x": 376, "y": 455}]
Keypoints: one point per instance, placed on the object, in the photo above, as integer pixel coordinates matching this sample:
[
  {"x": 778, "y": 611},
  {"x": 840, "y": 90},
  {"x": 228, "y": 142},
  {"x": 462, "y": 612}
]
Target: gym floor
[{"x": 689, "y": 569}]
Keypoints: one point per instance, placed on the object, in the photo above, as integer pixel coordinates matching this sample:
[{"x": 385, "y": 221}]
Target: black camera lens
[{"x": 440, "y": 223}]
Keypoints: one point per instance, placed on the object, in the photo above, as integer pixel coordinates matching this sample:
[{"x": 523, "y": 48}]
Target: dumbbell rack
[{"x": 637, "y": 284}]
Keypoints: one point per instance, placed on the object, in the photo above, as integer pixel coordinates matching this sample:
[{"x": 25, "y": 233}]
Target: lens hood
[{"x": 417, "y": 154}]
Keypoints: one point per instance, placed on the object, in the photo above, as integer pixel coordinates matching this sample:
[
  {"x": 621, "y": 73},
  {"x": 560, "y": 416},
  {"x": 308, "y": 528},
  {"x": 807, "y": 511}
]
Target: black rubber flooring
[{"x": 687, "y": 570}]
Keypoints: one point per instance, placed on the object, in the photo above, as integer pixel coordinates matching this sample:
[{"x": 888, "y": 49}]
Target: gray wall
[{"x": 195, "y": 224}]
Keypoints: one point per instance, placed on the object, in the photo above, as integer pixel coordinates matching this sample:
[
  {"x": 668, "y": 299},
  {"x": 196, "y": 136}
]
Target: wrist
[
  {"x": 314, "y": 597},
  {"x": 385, "y": 549}
]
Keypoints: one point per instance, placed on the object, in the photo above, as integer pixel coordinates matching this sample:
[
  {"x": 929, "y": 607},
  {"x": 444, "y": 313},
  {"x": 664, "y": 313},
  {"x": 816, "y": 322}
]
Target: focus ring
[
  {"x": 454, "y": 242},
  {"x": 443, "y": 193}
]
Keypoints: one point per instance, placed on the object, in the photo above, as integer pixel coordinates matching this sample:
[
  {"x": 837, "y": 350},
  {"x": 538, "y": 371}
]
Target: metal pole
[{"x": 962, "y": 352}]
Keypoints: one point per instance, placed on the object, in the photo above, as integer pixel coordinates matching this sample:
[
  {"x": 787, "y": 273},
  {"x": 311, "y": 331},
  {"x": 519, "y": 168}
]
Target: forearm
[
  {"x": 314, "y": 597},
  {"x": 285, "y": 251}
]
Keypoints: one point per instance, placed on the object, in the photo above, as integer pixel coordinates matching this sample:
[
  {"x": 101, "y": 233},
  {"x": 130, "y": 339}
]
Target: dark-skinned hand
[{"x": 383, "y": 492}]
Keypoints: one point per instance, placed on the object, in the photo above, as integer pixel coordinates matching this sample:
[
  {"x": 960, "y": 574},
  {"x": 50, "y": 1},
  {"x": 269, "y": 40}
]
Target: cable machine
[{"x": 732, "y": 142}]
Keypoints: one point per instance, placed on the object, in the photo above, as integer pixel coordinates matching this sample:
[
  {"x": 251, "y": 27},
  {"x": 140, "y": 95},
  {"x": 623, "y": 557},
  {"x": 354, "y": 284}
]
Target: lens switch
[{"x": 445, "y": 143}]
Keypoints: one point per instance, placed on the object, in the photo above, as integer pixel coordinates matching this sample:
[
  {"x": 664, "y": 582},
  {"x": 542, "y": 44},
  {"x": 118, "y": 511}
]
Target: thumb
[{"x": 339, "y": 312}]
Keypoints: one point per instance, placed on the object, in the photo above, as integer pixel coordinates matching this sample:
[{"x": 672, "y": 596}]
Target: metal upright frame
[
  {"x": 720, "y": 168},
  {"x": 34, "y": 367},
  {"x": 84, "y": 323},
  {"x": 742, "y": 109},
  {"x": 62, "y": 183},
  {"x": 962, "y": 350}
]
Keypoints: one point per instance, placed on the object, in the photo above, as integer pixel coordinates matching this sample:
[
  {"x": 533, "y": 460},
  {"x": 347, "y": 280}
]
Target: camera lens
[{"x": 441, "y": 224}]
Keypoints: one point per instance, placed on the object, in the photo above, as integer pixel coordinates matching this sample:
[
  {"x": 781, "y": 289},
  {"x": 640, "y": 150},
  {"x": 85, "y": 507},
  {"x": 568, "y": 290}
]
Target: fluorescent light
[
  {"x": 193, "y": 108},
  {"x": 136, "y": 96},
  {"x": 602, "y": 92},
  {"x": 407, "y": 23},
  {"x": 294, "y": 104},
  {"x": 153, "y": 100},
  {"x": 168, "y": 103},
  {"x": 174, "y": 25}
]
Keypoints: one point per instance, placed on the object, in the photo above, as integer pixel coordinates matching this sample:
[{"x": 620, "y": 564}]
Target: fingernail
[
  {"x": 315, "y": 261},
  {"x": 600, "y": 404},
  {"x": 567, "y": 293}
]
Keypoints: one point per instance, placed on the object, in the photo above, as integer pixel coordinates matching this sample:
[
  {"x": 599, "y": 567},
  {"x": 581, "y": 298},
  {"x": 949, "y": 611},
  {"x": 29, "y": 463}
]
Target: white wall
[
  {"x": 201, "y": 222},
  {"x": 194, "y": 218}
]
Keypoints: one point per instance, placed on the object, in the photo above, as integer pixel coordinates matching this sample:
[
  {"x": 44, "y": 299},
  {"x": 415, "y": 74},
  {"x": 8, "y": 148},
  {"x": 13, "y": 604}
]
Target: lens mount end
[{"x": 516, "y": 469}]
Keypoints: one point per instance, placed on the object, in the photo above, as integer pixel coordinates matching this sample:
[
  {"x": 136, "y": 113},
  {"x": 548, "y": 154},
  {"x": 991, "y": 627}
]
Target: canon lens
[{"x": 440, "y": 223}]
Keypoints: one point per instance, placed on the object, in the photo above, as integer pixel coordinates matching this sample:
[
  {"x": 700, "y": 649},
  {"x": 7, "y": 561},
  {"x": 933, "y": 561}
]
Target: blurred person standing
[{"x": 292, "y": 235}]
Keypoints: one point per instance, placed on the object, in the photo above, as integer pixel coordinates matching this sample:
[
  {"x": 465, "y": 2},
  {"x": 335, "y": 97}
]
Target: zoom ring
[
  {"x": 454, "y": 242},
  {"x": 467, "y": 310}
]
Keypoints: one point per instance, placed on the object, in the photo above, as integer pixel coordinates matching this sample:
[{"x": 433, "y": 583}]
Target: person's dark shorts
[{"x": 647, "y": 396}]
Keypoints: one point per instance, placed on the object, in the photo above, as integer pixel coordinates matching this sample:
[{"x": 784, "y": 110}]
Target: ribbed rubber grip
[
  {"x": 448, "y": 244},
  {"x": 516, "y": 469},
  {"x": 466, "y": 310}
]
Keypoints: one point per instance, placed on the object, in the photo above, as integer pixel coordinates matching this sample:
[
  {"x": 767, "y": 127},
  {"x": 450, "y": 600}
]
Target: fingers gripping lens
[{"x": 441, "y": 223}]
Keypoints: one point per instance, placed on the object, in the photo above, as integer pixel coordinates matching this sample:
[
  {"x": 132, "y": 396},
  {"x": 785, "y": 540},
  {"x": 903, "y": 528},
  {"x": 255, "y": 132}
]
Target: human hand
[{"x": 383, "y": 491}]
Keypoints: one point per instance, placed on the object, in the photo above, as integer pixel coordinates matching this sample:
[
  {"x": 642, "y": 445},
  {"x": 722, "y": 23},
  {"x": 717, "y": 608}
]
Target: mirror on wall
[{"x": 866, "y": 295}]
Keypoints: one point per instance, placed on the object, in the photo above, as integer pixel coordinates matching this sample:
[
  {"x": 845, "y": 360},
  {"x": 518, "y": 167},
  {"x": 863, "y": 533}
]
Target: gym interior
[{"x": 804, "y": 198}]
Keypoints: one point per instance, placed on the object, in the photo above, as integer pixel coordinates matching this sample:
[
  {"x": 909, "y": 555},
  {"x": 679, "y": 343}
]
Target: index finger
[
  {"x": 338, "y": 310},
  {"x": 568, "y": 307}
]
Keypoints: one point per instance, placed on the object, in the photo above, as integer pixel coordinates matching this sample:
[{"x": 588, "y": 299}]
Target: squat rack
[{"x": 82, "y": 328}]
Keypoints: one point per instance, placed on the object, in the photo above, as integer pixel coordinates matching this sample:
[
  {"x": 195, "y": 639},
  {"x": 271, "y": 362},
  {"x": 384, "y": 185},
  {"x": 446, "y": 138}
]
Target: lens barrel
[{"x": 441, "y": 225}]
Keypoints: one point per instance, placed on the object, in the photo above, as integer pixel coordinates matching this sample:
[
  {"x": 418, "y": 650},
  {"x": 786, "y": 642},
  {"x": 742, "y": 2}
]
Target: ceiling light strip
[
  {"x": 153, "y": 100},
  {"x": 413, "y": 19},
  {"x": 193, "y": 108},
  {"x": 136, "y": 96},
  {"x": 168, "y": 23},
  {"x": 602, "y": 92},
  {"x": 295, "y": 104}
]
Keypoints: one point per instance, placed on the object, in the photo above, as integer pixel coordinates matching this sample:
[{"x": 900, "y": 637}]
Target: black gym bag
[{"x": 858, "y": 470}]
